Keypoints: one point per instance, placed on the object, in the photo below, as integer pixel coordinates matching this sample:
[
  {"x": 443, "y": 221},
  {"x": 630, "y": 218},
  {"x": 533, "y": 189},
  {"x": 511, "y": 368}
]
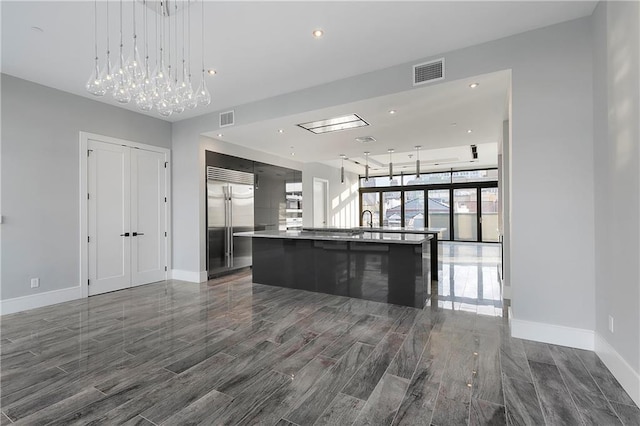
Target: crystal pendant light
[
  {"x": 144, "y": 99},
  {"x": 121, "y": 93},
  {"x": 165, "y": 84},
  {"x": 188, "y": 95},
  {"x": 160, "y": 74},
  {"x": 94, "y": 84},
  {"x": 176, "y": 100},
  {"x": 108, "y": 82},
  {"x": 169, "y": 92},
  {"x": 164, "y": 108},
  {"x": 203, "y": 96},
  {"x": 418, "y": 160},
  {"x": 133, "y": 64}
]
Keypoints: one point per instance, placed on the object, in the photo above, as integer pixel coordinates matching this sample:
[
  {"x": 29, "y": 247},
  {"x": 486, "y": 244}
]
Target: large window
[
  {"x": 439, "y": 208},
  {"x": 465, "y": 214},
  {"x": 489, "y": 218},
  {"x": 392, "y": 208},
  {"x": 463, "y": 176},
  {"x": 414, "y": 215},
  {"x": 462, "y": 203}
]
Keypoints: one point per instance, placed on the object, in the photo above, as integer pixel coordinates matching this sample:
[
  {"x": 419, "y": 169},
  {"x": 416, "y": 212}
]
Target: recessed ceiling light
[
  {"x": 318, "y": 33},
  {"x": 212, "y": 71},
  {"x": 392, "y": 111},
  {"x": 280, "y": 130},
  {"x": 474, "y": 85},
  {"x": 37, "y": 29},
  {"x": 469, "y": 131},
  {"x": 220, "y": 135}
]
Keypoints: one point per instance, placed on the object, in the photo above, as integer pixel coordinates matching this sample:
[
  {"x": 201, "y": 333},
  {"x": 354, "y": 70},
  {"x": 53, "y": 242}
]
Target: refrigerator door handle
[
  {"x": 226, "y": 225},
  {"x": 230, "y": 226}
]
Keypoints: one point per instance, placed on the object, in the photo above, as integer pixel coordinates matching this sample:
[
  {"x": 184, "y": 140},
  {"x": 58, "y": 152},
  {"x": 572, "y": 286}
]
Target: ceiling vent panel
[
  {"x": 366, "y": 139},
  {"x": 428, "y": 72},
  {"x": 227, "y": 119}
]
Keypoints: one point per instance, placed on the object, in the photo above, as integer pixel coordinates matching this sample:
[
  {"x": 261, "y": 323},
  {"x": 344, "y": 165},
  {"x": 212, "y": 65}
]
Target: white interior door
[
  {"x": 148, "y": 217},
  {"x": 126, "y": 216},
  {"x": 320, "y": 202},
  {"x": 108, "y": 217}
]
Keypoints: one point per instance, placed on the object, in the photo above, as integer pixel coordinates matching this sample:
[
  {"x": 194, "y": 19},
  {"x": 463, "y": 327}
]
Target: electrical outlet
[
  {"x": 35, "y": 282},
  {"x": 610, "y": 323}
]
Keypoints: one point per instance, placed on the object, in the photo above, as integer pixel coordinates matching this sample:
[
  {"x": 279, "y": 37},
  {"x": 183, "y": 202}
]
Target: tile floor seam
[
  {"x": 606, "y": 398},
  {"x": 564, "y": 382},
  {"x": 143, "y": 417},
  {"x": 327, "y": 407},
  {"x": 535, "y": 387}
]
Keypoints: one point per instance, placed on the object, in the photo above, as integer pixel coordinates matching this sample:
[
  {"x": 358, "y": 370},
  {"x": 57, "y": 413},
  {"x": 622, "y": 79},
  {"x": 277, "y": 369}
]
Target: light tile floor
[{"x": 233, "y": 352}]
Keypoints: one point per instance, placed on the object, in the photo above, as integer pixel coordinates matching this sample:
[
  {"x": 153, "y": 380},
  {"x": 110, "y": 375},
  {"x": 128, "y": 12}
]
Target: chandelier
[{"x": 164, "y": 84}]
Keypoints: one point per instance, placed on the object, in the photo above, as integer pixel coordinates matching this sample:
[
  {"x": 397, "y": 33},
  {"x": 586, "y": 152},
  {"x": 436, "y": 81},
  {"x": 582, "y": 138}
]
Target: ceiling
[
  {"x": 438, "y": 118},
  {"x": 263, "y": 49}
]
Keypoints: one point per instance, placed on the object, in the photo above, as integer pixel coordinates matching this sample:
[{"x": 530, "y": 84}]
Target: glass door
[
  {"x": 414, "y": 215},
  {"x": 489, "y": 222},
  {"x": 465, "y": 214},
  {"x": 392, "y": 208},
  {"x": 438, "y": 207}
]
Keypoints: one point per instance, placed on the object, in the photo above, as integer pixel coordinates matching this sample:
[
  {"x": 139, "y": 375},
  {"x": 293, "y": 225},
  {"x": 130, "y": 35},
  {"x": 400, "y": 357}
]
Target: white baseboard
[
  {"x": 556, "y": 334},
  {"x": 38, "y": 300},
  {"x": 190, "y": 276},
  {"x": 619, "y": 367}
]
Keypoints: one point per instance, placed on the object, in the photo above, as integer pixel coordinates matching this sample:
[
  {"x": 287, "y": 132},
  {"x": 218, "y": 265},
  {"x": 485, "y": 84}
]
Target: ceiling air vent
[
  {"x": 366, "y": 139},
  {"x": 428, "y": 72},
  {"x": 226, "y": 119}
]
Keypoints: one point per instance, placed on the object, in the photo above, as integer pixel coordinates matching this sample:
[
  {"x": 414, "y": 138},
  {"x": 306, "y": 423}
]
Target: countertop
[
  {"x": 360, "y": 235},
  {"x": 389, "y": 229}
]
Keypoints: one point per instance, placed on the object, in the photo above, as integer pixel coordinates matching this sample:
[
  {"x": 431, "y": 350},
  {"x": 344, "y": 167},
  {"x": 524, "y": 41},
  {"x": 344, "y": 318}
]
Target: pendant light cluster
[{"x": 168, "y": 88}]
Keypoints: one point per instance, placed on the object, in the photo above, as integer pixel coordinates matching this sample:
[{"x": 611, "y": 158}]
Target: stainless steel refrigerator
[{"x": 229, "y": 210}]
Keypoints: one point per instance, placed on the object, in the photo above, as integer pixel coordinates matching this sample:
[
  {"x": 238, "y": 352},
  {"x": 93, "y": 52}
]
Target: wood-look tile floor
[{"x": 232, "y": 352}]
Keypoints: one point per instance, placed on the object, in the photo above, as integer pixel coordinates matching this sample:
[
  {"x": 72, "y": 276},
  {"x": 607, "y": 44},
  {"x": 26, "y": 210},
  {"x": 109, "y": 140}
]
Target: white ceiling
[
  {"x": 435, "y": 117},
  {"x": 265, "y": 48}
]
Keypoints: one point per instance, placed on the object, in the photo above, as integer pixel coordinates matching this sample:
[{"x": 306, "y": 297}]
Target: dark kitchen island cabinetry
[{"x": 390, "y": 268}]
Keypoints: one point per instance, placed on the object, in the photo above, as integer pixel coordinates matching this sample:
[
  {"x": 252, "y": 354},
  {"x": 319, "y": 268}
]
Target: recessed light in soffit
[{"x": 335, "y": 124}]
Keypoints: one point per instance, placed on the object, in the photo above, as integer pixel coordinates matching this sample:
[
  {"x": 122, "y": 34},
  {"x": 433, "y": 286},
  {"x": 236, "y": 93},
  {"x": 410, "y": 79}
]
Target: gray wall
[
  {"x": 40, "y": 179},
  {"x": 617, "y": 175}
]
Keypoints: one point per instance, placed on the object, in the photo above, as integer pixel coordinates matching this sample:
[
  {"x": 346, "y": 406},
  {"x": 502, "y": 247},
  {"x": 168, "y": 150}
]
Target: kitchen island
[
  {"x": 383, "y": 267},
  {"x": 434, "y": 232}
]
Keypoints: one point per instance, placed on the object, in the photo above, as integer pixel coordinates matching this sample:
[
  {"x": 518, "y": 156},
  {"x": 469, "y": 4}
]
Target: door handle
[
  {"x": 126, "y": 234},
  {"x": 135, "y": 234}
]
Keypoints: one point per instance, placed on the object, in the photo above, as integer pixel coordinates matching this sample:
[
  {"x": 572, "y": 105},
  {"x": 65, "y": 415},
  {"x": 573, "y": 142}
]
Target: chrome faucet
[{"x": 370, "y": 214}]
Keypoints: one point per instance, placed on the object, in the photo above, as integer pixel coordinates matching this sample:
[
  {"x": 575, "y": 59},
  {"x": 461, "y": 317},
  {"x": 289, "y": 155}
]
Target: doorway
[
  {"x": 320, "y": 202},
  {"x": 124, "y": 214}
]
